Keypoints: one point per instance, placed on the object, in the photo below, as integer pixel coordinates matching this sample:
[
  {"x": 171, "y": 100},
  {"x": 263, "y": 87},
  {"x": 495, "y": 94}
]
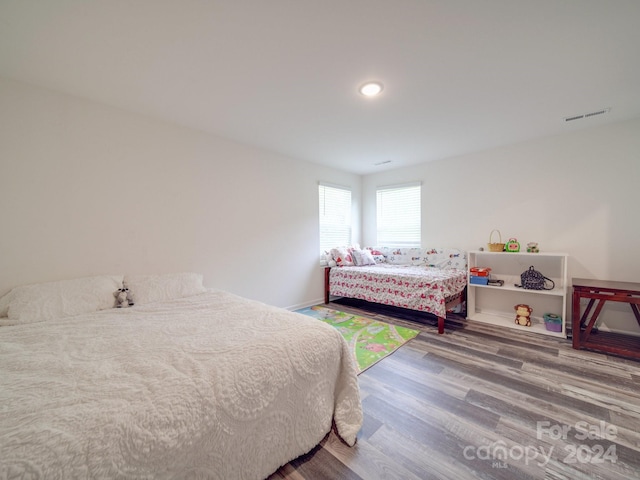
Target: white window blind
[
  {"x": 398, "y": 215},
  {"x": 335, "y": 216}
]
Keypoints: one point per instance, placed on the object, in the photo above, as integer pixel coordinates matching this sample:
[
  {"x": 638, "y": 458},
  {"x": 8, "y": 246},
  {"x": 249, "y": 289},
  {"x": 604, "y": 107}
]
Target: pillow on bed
[
  {"x": 45, "y": 301},
  {"x": 5, "y": 300},
  {"x": 377, "y": 254},
  {"x": 342, "y": 256},
  {"x": 160, "y": 288},
  {"x": 363, "y": 257},
  {"x": 380, "y": 259}
]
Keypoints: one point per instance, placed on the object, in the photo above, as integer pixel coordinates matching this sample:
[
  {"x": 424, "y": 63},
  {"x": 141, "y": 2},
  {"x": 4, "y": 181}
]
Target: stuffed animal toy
[
  {"x": 523, "y": 314},
  {"x": 124, "y": 298}
]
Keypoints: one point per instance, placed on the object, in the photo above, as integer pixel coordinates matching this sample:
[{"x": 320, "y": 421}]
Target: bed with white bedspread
[{"x": 206, "y": 385}]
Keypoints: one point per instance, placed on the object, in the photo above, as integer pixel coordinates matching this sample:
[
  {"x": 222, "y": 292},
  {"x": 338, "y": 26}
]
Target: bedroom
[{"x": 88, "y": 188}]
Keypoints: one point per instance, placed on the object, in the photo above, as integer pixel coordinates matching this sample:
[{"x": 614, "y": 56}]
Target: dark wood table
[{"x": 599, "y": 292}]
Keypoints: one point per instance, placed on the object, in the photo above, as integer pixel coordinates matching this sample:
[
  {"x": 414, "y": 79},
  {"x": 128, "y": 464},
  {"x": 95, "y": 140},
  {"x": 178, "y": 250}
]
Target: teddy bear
[
  {"x": 123, "y": 297},
  {"x": 532, "y": 247},
  {"x": 523, "y": 314}
]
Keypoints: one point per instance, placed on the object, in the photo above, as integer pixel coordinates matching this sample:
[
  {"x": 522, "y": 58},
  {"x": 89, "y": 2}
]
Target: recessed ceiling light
[{"x": 371, "y": 89}]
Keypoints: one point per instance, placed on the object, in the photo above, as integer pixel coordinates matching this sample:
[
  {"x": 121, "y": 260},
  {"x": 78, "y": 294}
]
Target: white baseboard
[{"x": 306, "y": 304}]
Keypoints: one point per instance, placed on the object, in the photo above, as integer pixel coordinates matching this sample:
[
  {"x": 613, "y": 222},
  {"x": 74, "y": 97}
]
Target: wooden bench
[{"x": 602, "y": 291}]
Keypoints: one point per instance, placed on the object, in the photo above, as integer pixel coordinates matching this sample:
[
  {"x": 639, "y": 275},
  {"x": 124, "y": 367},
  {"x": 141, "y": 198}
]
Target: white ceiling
[{"x": 460, "y": 75}]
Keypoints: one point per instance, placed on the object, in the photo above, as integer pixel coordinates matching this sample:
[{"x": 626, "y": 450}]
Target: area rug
[{"x": 369, "y": 340}]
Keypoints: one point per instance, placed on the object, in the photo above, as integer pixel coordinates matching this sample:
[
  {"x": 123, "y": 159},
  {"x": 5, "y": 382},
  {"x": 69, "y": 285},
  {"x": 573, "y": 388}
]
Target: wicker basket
[{"x": 495, "y": 247}]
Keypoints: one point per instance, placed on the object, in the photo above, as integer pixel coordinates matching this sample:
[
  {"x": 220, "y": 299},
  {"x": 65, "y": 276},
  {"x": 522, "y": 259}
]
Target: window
[
  {"x": 398, "y": 215},
  {"x": 335, "y": 216}
]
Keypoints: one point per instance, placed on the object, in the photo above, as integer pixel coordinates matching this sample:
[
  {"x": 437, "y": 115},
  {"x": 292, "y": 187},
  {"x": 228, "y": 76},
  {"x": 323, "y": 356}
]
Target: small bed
[
  {"x": 188, "y": 383},
  {"x": 426, "y": 280}
]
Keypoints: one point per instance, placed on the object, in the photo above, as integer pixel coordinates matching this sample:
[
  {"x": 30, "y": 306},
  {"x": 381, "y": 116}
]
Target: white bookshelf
[{"x": 494, "y": 305}]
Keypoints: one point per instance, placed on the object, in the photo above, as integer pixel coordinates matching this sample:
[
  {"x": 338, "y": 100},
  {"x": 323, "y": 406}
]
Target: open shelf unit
[{"x": 494, "y": 305}]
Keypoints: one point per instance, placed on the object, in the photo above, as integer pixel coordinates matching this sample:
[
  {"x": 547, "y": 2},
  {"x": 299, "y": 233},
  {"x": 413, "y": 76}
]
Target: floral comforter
[{"x": 421, "y": 288}]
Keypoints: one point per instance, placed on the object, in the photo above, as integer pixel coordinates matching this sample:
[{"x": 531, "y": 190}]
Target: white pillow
[
  {"x": 363, "y": 257},
  {"x": 160, "y": 288},
  {"x": 45, "y": 301},
  {"x": 5, "y": 300}
]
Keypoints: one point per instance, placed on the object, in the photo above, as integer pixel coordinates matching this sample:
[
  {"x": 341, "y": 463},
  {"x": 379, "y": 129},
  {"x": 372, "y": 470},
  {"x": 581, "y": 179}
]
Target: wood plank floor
[{"x": 481, "y": 402}]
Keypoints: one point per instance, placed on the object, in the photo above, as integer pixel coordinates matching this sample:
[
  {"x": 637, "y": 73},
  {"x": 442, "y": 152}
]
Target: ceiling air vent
[{"x": 587, "y": 115}]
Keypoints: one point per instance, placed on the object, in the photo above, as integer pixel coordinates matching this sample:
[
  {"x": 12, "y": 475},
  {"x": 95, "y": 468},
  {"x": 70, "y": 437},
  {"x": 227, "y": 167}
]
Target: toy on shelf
[
  {"x": 523, "y": 314},
  {"x": 512, "y": 245}
]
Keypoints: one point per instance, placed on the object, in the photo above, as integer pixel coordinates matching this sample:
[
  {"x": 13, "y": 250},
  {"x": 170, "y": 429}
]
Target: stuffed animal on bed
[{"x": 123, "y": 297}]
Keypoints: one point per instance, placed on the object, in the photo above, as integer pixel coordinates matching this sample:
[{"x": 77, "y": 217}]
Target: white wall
[
  {"x": 87, "y": 189},
  {"x": 577, "y": 193}
]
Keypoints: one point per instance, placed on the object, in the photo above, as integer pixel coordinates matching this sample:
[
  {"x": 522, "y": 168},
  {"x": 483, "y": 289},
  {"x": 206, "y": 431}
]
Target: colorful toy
[{"x": 512, "y": 245}]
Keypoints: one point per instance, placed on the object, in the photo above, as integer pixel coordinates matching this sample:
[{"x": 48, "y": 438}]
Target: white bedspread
[{"x": 209, "y": 386}]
